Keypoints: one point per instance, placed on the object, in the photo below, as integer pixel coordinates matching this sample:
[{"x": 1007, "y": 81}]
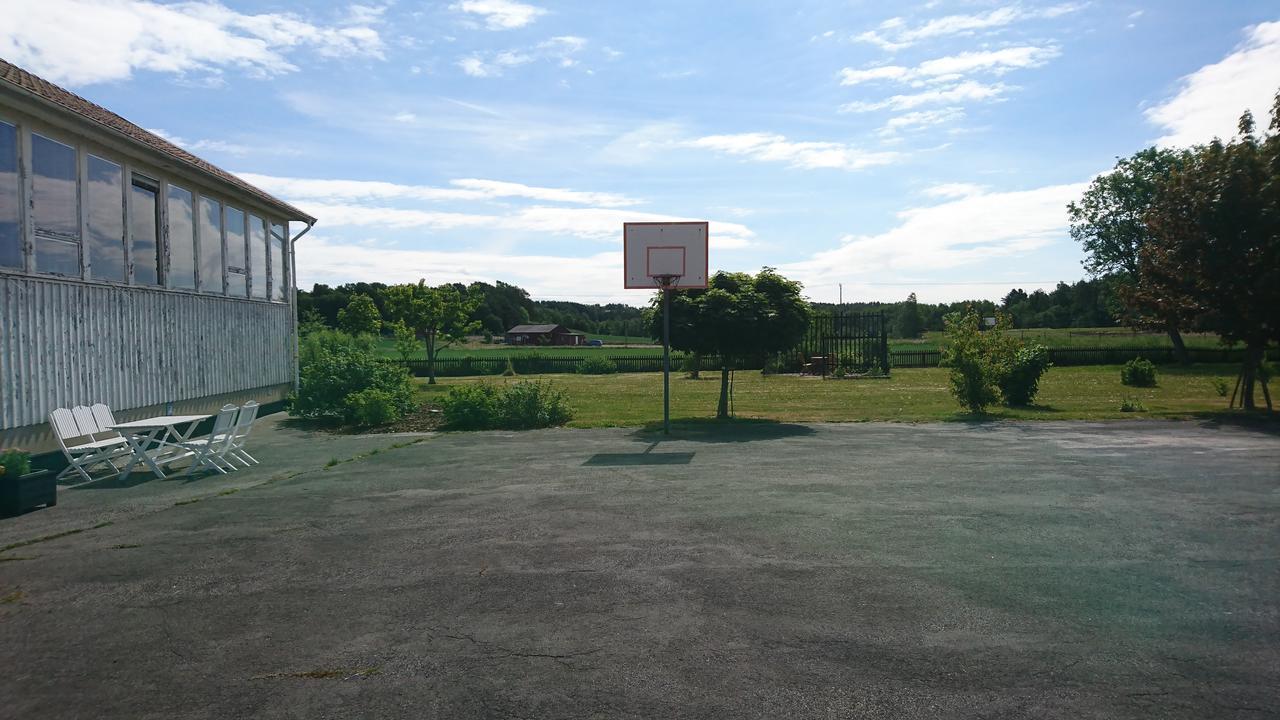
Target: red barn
[{"x": 544, "y": 335}]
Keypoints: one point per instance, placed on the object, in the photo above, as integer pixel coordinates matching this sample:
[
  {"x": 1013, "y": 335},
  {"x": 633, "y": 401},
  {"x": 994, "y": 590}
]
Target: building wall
[{"x": 64, "y": 343}]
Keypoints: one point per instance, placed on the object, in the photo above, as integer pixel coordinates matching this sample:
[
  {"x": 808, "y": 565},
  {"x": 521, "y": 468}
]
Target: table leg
[{"x": 138, "y": 444}]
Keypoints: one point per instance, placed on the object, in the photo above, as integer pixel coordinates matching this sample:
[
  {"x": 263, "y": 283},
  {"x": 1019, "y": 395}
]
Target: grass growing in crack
[
  {"x": 13, "y": 597},
  {"x": 126, "y": 546},
  {"x": 189, "y": 501},
  {"x": 332, "y": 462},
  {"x": 229, "y": 491},
  {"x": 324, "y": 674}
]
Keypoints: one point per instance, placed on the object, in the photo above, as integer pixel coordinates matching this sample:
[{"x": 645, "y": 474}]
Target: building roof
[
  {"x": 51, "y": 94},
  {"x": 535, "y": 329}
]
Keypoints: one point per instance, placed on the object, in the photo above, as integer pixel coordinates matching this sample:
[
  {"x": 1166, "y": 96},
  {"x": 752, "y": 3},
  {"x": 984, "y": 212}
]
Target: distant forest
[{"x": 1087, "y": 303}]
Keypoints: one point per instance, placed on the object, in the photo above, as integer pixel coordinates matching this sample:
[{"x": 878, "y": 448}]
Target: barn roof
[
  {"x": 50, "y": 94},
  {"x": 536, "y": 329}
]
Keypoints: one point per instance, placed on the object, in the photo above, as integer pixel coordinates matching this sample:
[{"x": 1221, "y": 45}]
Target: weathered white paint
[{"x": 65, "y": 343}]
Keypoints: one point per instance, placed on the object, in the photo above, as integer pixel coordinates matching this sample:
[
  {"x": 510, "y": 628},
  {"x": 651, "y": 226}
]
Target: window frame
[{"x": 26, "y": 144}]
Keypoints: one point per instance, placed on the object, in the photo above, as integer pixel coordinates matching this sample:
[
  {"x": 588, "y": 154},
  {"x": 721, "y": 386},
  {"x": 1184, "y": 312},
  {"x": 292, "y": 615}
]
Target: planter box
[{"x": 26, "y": 492}]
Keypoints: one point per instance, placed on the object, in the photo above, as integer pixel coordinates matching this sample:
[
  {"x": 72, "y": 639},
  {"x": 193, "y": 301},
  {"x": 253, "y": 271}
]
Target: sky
[{"x": 889, "y": 148}]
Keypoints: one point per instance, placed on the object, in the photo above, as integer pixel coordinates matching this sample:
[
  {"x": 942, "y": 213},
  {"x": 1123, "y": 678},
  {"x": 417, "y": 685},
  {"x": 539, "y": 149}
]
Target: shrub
[
  {"x": 15, "y": 462},
  {"x": 1019, "y": 376},
  {"x": 691, "y": 364},
  {"x": 1221, "y": 386},
  {"x": 968, "y": 354},
  {"x": 596, "y": 365},
  {"x": 521, "y": 405},
  {"x": 1138, "y": 372},
  {"x": 1132, "y": 405},
  {"x": 371, "y": 406},
  {"x": 470, "y": 407},
  {"x": 336, "y": 372}
]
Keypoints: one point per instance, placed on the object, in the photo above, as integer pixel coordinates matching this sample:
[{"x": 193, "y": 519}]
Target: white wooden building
[{"x": 131, "y": 271}]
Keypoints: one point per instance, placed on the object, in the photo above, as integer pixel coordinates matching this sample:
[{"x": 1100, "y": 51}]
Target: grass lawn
[{"x": 911, "y": 395}]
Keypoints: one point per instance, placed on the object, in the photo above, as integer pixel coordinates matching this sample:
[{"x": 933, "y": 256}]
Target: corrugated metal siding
[{"x": 69, "y": 343}]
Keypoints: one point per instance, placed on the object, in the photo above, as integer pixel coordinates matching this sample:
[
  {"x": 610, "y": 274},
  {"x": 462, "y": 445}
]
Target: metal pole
[{"x": 666, "y": 360}]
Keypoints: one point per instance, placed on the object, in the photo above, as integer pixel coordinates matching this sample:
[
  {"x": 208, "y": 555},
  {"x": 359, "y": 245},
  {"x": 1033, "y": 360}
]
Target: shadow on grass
[
  {"x": 1257, "y": 421},
  {"x": 709, "y": 430}
]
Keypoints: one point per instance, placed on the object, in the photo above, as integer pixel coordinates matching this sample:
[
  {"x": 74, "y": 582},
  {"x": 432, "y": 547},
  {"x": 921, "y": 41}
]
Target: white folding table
[{"x": 157, "y": 441}]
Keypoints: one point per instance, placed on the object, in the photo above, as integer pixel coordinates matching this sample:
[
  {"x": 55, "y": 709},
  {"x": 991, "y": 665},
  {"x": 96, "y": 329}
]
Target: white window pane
[
  {"x": 210, "y": 245},
  {"x": 53, "y": 206},
  {"x": 258, "y": 256},
  {"x": 105, "y": 207},
  {"x": 237, "y": 283},
  {"x": 144, "y": 225},
  {"x": 279, "y": 276},
  {"x": 10, "y": 230},
  {"x": 182, "y": 241}
]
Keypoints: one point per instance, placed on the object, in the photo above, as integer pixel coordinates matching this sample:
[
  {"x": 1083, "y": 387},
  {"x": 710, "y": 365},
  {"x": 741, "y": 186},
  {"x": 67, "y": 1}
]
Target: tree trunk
[
  {"x": 695, "y": 374},
  {"x": 722, "y": 410},
  {"x": 431, "y": 358},
  {"x": 1179, "y": 347},
  {"x": 1252, "y": 357}
]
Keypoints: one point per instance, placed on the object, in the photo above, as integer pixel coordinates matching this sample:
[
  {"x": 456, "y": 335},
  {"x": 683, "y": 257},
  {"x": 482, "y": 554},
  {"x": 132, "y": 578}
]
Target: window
[
  {"x": 105, "y": 208},
  {"x": 53, "y": 206},
  {"x": 210, "y": 246},
  {"x": 10, "y": 228},
  {"x": 237, "y": 284},
  {"x": 279, "y": 275},
  {"x": 258, "y": 257},
  {"x": 182, "y": 240},
  {"x": 144, "y": 224}
]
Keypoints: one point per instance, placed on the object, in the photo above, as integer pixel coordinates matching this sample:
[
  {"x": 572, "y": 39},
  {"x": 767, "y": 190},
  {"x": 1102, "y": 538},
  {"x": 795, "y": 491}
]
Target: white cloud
[
  {"x": 594, "y": 224},
  {"x": 1211, "y": 99},
  {"x": 975, "y": 227},
  {"x": 81, "y": 42},
  {"x": 894, "y": 34},
  {"x": 641, "y": 145},
  {"x": 404, "y": 117},
  {"x": 920, "y": 119},
  {"x": 967, "y": 91},
  {"x": 202, "y": 145},
  {"x": 560, "y": 50},
  {"x": 954, "y": 190},
  {"x": 767, "y": 147},
  {"x": 500, "y": 14},
  {"x": 463, "y": 189}
]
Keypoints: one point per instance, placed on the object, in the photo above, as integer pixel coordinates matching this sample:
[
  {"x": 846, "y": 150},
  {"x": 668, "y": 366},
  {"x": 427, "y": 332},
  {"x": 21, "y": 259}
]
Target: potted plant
[{"x": 21, "y": 489}]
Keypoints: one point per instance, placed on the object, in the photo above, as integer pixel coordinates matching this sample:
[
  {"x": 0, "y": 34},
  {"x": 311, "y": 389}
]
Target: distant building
[
  {"x": 544, "y": 335},
  {"x": 132, "y": 272}
]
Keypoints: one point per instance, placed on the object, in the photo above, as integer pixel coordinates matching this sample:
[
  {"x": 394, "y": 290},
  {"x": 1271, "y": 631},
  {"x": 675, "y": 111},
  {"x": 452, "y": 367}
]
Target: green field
[
  {"x": 1051, "y": 337},
  {"x": 910, "y": 395}
]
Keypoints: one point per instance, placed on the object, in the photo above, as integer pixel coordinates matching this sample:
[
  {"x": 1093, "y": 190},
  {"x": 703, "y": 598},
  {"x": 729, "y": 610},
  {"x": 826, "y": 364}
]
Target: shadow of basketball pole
[{"x": 648, "y": 457}]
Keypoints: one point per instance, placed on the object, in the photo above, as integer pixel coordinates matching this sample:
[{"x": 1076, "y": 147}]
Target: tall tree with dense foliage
[
  {"x": 736, "y": 316},
  {"x": 1109, "y": 222},
  {"x": 360, "y": 316},
  {"x": 1214, "y": 254},
  {"x": 439, "y": 316},
  {"x": 908, "y": 323}
]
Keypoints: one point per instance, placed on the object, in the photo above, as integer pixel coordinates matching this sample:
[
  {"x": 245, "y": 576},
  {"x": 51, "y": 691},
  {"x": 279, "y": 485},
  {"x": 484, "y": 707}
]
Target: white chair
[
  {"x": 78, "y": 423},
  {"x": 211, "y": 451},
  {"x": 244, "y": 423}
]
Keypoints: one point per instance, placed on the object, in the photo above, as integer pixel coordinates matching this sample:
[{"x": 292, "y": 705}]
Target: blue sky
[{"x": 892, "y": 147}]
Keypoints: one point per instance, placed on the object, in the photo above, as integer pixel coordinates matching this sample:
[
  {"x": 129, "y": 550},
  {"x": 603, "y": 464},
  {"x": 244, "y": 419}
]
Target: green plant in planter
[{"x": 15, "y": 463}]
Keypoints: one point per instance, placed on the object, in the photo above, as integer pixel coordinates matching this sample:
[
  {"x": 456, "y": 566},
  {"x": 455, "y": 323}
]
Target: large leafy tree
[
  {"x": 737, "y": 316},
  {"x": 360, "y": 316},
  {"x": 1109, "y": 222},
  {"x": 907, "y": 322},
  {"x": 439, "y": 316},
  {"x": 1214, "y": 254}
]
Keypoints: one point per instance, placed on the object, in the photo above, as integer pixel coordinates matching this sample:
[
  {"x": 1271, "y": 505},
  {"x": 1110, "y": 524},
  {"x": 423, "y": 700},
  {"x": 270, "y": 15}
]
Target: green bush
[
  {"x": 1221, "y": 386},
  {"x": 1132, "y": 405},
  {"x": 1019, "y": 376},
  {"x": 15, "y": 462},
  {"x": 338, "y": 371},
  {"x": 470, "y": 407},
  {"x": 522, "y": 405},
  {"x": 1138, "y": 372},
  {"x": 597, "y": 365},
  {"x": 968, "y": 354}
]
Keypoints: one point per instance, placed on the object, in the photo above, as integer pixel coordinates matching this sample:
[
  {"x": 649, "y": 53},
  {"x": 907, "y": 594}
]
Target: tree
[
  {"x": 360, "y": 316},
  {"x": 1109, "y": 222},
  {"x": 1214, "y": 255},
  {"x": 439, "y": 316},
  {"x": 736, "y": 316},
  {"x": 908, "y": 322}
]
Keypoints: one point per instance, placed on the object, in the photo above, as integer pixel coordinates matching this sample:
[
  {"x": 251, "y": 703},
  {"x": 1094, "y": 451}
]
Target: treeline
[
  {"x": 501, "y": 307},
  {"x": 1086, "y": 303}
]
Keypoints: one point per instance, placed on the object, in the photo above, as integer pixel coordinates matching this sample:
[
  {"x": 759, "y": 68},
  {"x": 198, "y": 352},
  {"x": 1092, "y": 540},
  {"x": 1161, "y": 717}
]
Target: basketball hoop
[{"x": 665, "y": 256}]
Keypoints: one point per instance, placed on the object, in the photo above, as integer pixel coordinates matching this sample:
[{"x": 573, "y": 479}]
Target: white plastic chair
[
  {"x": 244, "y": 423},
  {"x": 78, "y": 423},
  {"x": 211, "y": 451}
]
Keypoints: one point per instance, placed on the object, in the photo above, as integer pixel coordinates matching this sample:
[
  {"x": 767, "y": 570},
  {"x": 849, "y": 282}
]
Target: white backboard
[{"x": 653, "y": 249}]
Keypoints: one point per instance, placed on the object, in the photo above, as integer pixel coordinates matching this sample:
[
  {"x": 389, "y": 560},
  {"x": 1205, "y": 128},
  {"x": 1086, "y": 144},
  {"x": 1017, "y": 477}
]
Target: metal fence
[{"x": 1076, "y": 356}]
